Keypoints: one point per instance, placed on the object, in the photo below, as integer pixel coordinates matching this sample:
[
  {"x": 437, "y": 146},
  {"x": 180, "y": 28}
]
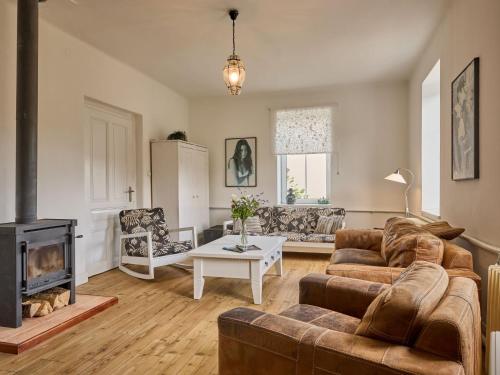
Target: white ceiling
[{"x": 285, "y": 44}]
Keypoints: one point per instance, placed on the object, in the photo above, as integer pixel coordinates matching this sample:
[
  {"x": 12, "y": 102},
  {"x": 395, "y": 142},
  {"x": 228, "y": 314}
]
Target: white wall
[
  {"x": 469, "y": 29},
  {"x": 69, "y": 70},
  {"x": 370, "y": 130}
]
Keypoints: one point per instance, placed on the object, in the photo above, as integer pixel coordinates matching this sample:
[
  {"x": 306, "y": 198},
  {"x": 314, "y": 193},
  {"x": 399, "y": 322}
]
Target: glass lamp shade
[
  {"x": 396, "y": 177},
  {"x": 234, "y": 74}
]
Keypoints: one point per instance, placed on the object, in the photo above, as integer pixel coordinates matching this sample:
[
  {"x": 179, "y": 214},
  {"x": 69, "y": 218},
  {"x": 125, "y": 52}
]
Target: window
[
  {"x": 431, "y": 142},
  {"x": 302, "y": 141},
  {"x": 307, "y": 175}
]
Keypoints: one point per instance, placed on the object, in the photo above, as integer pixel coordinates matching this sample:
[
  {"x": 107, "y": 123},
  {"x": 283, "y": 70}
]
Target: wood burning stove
[{"x": 35, "y": 255}]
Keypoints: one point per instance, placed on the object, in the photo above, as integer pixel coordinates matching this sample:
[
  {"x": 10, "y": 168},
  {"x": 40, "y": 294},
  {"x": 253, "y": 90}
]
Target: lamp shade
[{"x": 396, "y": 177}]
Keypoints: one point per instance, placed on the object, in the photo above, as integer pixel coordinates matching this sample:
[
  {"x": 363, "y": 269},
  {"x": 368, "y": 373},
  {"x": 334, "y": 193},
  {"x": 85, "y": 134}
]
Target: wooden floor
[{"x": 156, "y": 328}]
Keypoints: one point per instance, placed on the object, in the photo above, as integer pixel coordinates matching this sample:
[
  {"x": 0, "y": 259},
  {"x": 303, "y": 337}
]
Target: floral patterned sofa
[{"x": 298, "y": 225}]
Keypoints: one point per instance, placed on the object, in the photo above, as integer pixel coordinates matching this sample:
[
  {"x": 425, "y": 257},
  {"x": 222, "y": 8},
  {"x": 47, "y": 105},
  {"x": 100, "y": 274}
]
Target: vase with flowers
[{"x": 242, "y": 208}]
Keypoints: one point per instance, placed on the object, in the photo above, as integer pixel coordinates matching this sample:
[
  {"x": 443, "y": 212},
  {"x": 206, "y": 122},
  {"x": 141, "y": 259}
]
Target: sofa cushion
[
  {"x": 313, "y": 214},
  {"x": 357, "y": 256},
  {"x": 265, "y": 215},
  {"x": 320, "y": 238},
  {"x": 329, "y": 224},
  {"x": 443, "y": 230},
  {"x": 398, "y": 313},
  {"x": 404, "y": 243},
  {"x": 322, "y": 318},
  {"x": 252, "y": 224},
  {"x": 290, "y": 236},
  {"x": 289, "y": 220},
  {"x": 325, "y": 224}
]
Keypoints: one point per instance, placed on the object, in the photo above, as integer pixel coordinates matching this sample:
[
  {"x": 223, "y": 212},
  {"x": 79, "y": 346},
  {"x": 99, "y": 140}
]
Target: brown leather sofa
[
  {"x": 425, "y": 323},
  {"x": 358, "y": 255}
]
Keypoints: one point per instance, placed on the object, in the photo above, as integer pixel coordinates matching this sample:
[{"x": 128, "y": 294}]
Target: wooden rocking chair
[{"x": 145, "y": 241}]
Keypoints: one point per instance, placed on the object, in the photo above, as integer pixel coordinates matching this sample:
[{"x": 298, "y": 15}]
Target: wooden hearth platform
[{"x": 36, "y": 330}]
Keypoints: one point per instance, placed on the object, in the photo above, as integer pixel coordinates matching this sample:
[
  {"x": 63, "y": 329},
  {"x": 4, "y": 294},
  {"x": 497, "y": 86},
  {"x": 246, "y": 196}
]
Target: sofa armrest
[
  {"x": 253, "y": 342},
  {"x": 368, "y": 239},
  {"x": 344, "y": 353},
  {"x": 455, "y": 256},
  {"x": 348, "y": 296}
]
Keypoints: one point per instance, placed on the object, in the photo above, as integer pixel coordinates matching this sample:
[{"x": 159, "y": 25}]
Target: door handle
[{"x": 129, "y": 192}]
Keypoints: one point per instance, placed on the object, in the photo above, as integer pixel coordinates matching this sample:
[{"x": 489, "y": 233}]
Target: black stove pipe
[{"x": 27, "y": 111}]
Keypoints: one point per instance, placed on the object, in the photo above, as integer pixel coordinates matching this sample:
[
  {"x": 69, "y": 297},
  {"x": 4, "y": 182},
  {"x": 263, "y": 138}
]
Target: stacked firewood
[{"x": 44, "y": 303}]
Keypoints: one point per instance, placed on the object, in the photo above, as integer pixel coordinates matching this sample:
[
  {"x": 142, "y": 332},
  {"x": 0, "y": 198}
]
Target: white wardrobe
[{"x": 179, "y": 184}]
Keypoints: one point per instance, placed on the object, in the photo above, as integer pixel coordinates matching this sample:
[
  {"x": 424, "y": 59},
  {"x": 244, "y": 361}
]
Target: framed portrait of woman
[{"x": 241, "y": 162}]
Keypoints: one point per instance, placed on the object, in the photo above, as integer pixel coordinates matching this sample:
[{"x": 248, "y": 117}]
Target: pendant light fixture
[{"x": 234, "y": 70}]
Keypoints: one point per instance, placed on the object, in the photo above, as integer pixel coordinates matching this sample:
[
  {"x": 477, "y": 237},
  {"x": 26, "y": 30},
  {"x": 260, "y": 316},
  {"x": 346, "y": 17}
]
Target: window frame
[{"x": 282, "y": 182}]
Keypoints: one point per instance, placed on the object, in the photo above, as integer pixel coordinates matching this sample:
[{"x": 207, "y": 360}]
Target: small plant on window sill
[
  {"x": 323, "y": 200},
  {"x": 300, "y": 193}
]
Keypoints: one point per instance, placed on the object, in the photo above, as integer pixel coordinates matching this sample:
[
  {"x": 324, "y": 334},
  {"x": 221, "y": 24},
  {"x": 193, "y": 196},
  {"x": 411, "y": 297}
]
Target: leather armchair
[
  {"x": 358, "y": 255},
  {"x": 318, "y": 336}
]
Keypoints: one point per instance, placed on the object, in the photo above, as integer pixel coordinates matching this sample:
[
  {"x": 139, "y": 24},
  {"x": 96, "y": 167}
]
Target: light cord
[{"x": 234, "y": 43}]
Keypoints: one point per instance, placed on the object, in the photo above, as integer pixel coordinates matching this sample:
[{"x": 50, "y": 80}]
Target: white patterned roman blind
[{"x": 302, "y": 131}]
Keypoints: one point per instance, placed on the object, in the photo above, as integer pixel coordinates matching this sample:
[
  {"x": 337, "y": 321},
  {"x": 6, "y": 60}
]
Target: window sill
[{"x": 431, "y": 216}]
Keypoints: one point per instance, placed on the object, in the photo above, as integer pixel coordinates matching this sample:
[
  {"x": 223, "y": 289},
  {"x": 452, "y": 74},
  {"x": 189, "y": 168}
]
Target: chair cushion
[
  {"x": 143, "y": 220},
  {"x": 398, "y": 313},
  {"x": 171, "y": 248},
  {"x": 404, "y": 243},
  {"x": 443, "y": 230},
  {"x": 320, "y": 238},
  {"x": 357, "y": 256},
  {"x": 322, "y": 318},
  {"x": 290, "y": 236}
]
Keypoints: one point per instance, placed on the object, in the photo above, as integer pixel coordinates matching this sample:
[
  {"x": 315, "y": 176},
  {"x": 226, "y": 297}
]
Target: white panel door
[{"x": 110, "y": 177}]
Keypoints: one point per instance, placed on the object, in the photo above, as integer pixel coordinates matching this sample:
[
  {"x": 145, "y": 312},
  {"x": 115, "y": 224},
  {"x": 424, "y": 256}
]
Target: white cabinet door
[
  {"x": 187, "y": 208},
  {"x": 110, "y": 171},
  {"x": 202, "y": 194},
  {"x": 193, "y": 188}
]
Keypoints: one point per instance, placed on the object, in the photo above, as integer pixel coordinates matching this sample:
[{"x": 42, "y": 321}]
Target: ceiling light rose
[{"x": 234, "y": 70}]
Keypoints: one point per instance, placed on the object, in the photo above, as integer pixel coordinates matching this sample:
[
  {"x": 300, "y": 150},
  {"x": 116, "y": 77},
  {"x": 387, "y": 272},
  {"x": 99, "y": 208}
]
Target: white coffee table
[{"x": 212, "y": 261}]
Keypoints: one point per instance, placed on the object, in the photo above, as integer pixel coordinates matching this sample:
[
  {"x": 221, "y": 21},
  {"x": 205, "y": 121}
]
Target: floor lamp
[{"x": 398, "y": 177}]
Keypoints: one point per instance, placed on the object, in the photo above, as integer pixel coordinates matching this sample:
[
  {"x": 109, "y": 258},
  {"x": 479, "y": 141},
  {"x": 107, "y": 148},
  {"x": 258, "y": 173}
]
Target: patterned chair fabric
[{"x": 149, "y": 220}]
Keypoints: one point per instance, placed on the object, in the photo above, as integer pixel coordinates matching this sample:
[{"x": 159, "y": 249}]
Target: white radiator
[
  {"x": 494, "y": 352},
  {"x": 493, "y": 321}
]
